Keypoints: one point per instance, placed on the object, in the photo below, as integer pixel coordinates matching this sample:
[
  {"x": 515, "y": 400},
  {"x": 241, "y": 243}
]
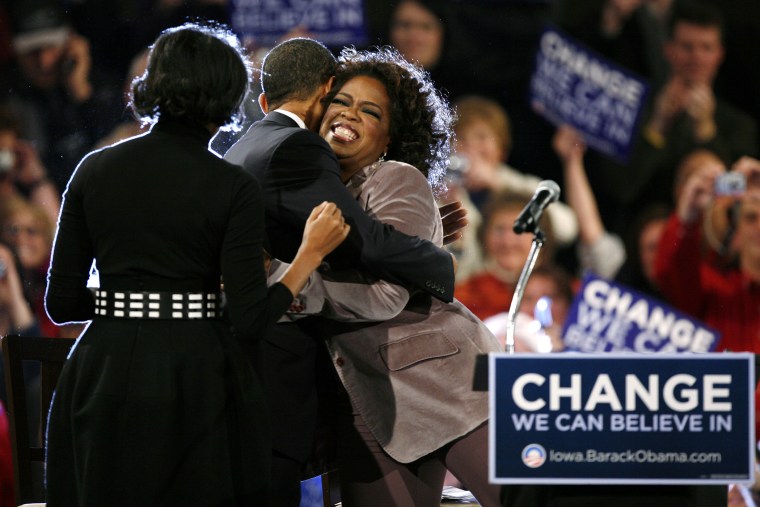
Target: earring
[{"x": 379, "y": 161}]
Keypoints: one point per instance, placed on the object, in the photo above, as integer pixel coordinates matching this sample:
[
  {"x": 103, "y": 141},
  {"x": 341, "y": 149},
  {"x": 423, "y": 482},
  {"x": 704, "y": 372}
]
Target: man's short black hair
[
  {"x": 696, "y": 12},
  {"x": 195, "y": 72},
  {"x": 295, "y": 69}
]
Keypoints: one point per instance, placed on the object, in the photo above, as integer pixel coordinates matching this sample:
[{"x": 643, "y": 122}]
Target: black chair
[{"x": 50, "y": 353}]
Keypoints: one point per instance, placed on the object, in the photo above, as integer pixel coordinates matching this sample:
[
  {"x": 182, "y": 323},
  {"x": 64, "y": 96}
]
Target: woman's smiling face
[{"x": 357, "y": 123}]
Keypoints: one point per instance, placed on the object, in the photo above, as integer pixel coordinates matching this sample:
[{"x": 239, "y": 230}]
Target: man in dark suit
[{"x": 297, "y": 169}]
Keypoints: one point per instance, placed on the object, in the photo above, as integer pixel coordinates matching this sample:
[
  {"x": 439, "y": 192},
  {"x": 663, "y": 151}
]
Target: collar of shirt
[{"x": 292, "y": 116}]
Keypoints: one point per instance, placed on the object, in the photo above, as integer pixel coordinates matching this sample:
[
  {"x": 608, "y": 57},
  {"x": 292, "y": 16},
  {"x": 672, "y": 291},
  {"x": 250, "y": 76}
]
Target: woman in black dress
[{"x": 156, "y": 404}]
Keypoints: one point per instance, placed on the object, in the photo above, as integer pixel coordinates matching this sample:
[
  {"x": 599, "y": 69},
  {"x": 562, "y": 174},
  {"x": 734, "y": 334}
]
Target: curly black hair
[
  {"x": 198, "y": 72},
  {"x": 420, "y": 121}
]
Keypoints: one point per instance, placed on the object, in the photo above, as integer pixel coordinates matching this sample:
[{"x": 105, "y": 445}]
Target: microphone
[{"x": 546, "y": 193}]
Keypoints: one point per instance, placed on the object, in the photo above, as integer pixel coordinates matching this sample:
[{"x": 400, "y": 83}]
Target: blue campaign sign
[
  {"x": 335, "y": 23},
  {"x": 572, "y": 84},
  {"x": 621, "y": 418},
  {"x": 609, "y": 317}
]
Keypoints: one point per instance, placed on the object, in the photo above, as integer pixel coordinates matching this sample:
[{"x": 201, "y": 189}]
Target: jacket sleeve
[
  {"x": 396, "y": 194},
  {"x": 678, "y": 269},
  {"x": 67, "y": 298},
  {"x": 381, "y": 248},
  {"x": 252, "y": 307}
]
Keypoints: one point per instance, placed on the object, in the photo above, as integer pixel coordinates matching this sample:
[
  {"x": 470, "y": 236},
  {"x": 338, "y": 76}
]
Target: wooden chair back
[{"x": 51, "y": 353}]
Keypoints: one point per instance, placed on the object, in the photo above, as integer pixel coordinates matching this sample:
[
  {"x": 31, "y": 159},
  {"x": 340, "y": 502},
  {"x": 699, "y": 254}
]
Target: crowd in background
[{"x": 64, "y": 66}]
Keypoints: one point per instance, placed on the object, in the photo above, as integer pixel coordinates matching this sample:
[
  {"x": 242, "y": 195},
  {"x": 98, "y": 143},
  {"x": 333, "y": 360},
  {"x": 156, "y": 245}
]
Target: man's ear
[
  {"x": 328, "y": 86},
  {"x": 263, "y": 104}
]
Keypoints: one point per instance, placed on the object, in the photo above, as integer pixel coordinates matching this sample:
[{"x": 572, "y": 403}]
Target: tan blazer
[{"x": 410, "y": 377}]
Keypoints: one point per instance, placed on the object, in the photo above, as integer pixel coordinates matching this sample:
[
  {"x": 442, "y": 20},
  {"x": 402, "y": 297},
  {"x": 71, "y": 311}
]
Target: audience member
[
  {"x": 418, "y": 30},
  {"x": 484, "y": 141},
  {"x": 685, "y": 114},
  {"x": 64, "y": 103},
  {"x": 490, "y": 291},
  {"x": 642, "y": 243},
  {"x": 542, "y": 312},
  {"x": 29, "y": 231},
  {"x": 21, "y": 172},
  {"x": 16, "y": 315},
  {"x": 598, "y": 250},
  {"x": 625, "y": 31},
  {"x": 724, "y": 299}
]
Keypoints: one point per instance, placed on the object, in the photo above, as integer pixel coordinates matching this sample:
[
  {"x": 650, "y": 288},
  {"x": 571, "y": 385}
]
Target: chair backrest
[{"x": 51, "y": 353}]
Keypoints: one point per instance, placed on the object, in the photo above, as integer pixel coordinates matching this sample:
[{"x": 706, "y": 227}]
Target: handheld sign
[
  {"x": 335, "y": 23},
  {"x": 574, "y": 85},
  {"x": 621, "y": 418},
  {"x": 609, "y": 317}
]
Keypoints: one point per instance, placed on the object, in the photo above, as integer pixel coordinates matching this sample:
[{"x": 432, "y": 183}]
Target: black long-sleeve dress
[{"x": 160, "y": 412}]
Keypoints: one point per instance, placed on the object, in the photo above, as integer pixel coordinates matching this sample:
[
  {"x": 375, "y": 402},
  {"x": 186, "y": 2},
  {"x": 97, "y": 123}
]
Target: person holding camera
[
  {"x": 22, "y": 174},
  {"x": 479, "y": 170},
  {"x": 726, "y": 299},
  {"x": 65, "y": 104}
]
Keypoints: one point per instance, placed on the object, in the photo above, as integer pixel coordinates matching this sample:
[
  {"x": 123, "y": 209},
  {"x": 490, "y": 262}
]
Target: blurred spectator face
[
  {"x": 649, "y": 239},
  {"x": 43, "y": 65},
  {"x": 695, "y": 53},
  {"x": 478, "y": 140},
  {"x": 507, "y": 249},
  {"x": 29, "y": 234},
  {"x": 417, "y": 33},
  {"x": 691, "y": 164},
  {"x": 541, "y": 285}
]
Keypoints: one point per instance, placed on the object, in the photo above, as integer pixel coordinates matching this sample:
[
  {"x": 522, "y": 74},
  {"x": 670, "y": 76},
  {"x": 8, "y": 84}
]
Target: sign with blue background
[
  {"x": 621, "y": 418},
  {"x": 609, "y": 317},
  {"x": 335, "y": 23},
  {"x": 572, "y": 84}
]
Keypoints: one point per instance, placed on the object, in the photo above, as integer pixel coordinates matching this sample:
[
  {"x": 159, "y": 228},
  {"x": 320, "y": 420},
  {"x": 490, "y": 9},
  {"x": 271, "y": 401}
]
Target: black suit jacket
[{"x": 297, "y": 170}]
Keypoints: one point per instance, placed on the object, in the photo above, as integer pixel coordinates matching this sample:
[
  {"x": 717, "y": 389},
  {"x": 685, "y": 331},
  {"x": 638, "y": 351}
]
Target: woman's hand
[
  {"x": 325, "y": 230},
  {"x": 697, "y": 193}
]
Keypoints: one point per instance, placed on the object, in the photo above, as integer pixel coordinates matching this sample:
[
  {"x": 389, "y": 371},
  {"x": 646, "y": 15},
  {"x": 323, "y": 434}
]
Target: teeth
[{"x": 345, "y": 133}]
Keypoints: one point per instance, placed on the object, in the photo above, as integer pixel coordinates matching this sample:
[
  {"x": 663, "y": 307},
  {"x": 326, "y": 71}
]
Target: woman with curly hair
[
  {"x": 405, "y": 360},
  {"x": 157, "y": 404}
]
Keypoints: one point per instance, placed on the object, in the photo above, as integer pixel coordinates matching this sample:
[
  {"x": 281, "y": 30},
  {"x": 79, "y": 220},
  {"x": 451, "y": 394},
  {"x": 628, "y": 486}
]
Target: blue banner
[
  {"x": 621, "y": 418},
  {"x": 571, "y": 84},
  {"x": 336, "y": 23},
  {"x": 609, "y": 317}
]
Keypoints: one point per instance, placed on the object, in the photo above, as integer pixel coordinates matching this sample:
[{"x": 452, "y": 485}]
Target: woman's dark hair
[
  {"x": 195, "y": 72},
  {"x": 421, "y": 120}
]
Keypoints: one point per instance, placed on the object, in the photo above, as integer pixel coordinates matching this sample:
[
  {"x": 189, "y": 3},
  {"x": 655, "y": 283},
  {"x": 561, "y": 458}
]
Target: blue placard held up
[
  {"x": 622, "y": 418},
  {"x": 336, "y": 23},
  {"x": 609, "y": 317},
  {"x": 574, "y": 85}
]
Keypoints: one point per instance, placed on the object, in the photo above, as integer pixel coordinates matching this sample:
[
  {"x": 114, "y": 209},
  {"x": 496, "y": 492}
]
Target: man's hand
[
  {"x": 700, "y": 106},
  {"x": 454, "y": 220},
  {"x": 78, "y": 65}
]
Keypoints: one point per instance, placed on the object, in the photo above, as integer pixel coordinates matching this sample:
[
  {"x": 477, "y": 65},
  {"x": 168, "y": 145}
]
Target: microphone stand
[{"x": 538, "y": 241}]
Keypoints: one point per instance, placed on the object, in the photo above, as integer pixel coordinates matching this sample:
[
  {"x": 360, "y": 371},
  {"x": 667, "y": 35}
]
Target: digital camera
[{"x": 730, "y": 183}]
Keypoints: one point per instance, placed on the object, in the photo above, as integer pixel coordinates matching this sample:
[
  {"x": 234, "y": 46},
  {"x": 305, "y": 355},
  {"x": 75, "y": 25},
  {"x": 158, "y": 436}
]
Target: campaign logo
[{"x": 533, "y": 456}]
